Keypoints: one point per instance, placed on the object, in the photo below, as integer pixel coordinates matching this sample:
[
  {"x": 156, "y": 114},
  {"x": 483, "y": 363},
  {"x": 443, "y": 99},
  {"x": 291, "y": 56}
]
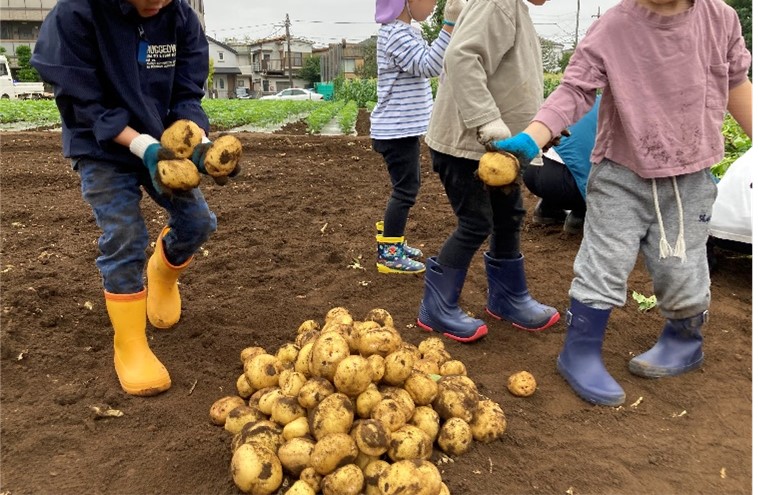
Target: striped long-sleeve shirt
[{"x": 405, "y": 62}]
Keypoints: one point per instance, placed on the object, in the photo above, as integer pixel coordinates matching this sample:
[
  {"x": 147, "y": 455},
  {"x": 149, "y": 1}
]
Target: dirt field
[{"x": 290, "y": 226}]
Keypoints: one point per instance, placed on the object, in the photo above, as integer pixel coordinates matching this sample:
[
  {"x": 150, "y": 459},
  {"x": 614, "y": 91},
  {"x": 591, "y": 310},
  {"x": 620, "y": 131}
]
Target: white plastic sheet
[{"x": 731, "y": 218}]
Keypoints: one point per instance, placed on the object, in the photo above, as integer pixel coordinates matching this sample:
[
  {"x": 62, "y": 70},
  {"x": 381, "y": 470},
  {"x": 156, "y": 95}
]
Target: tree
[
  {"x": 311, "y": 70},
  {"x": 368, "y": 69},
  {"x": 211, "y": 72},
  {"x": 744, "y": 12},
  {"x": 26, "y": 72},
  {"x": 550, "y": 57},
  {"x": 431, "y": 29},
  {"x": 565, "y": 59}
]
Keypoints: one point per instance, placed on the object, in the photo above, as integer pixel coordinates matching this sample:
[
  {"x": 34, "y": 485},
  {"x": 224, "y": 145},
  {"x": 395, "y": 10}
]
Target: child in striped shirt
[{"x": 405, "y": 62}]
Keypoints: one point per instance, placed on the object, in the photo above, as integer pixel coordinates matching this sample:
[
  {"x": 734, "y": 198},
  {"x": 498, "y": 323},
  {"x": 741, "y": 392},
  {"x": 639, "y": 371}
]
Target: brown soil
[{"x": 291, "y": 227}]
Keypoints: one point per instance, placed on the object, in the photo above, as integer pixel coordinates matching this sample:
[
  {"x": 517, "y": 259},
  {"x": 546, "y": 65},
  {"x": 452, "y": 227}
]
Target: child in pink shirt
[{"x": 668, "y": 71}]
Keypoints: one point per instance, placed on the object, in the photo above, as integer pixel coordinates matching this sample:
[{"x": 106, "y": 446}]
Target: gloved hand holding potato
[
  {"x": 169, "y": 163},
  {"x": 168, "y": 172},
  {"x": 219, "y": 158}
]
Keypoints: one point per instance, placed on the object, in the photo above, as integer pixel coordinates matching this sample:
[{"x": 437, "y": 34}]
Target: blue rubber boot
[
  {"x": 410, "y": 251},
  {"x": 509, "y": 299},
  {"x": 391, "y": 257},
  {"x": 439, "y": 311},
  {"x": 679, "y": 349},
  {"x": 581, "y": 363}
]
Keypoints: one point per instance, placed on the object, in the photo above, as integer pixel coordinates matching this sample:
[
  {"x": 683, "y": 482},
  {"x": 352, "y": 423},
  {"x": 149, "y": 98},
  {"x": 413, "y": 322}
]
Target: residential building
[
  {"x": 342, "y": 59},
  {"x": 227, "y": 76},
  {"x": 266, "y": 65}
]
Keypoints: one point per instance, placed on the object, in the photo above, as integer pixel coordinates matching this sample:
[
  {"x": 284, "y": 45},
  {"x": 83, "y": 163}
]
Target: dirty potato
[
  {"x": 371, "y": 436},
  {"x": 489, "y": 421},
  {"x": 295, "y": 454},
  {"x": 353, "y": 375},
  {"x": 182, "y": 137},
  {"x": 334, "y": 414},
  {"x": 409, "y": 442},
  {"x": 498, "y": 169},
  {"x": 220, "y": 409},
  {"x": 296, "y": 428},
  {"x": 256, "y": 470},
  {"x": 455, "y": 437},
  {"x": 262, "y": 371},
  {"x": 347, "y": 480},
  {"x": 332, "y": 451},
  {"x": 522, "y": 384}
]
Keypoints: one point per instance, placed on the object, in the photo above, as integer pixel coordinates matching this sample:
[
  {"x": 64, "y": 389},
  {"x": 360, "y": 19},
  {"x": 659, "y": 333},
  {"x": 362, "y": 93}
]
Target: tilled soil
[{"x": 296, "y": 238}]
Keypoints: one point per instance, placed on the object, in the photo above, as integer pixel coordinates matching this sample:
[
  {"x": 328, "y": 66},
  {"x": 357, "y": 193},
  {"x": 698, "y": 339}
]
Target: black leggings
[
  {"x": 554, "y": 183},
  {"x": 481, "y": 213},
  {"x": 403, "y": 160}
]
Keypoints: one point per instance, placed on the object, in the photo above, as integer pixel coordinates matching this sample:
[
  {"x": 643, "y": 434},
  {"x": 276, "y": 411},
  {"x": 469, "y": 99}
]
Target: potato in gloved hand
[
  {"x": 497, "y": 169},
  {"x": 219, "y": 158},
  {"x": 182, "y": 137},
  {"x": 178, "y": 175}
]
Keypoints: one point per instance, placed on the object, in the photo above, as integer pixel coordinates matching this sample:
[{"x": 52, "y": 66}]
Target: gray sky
[{"x": 328, "y": 21}]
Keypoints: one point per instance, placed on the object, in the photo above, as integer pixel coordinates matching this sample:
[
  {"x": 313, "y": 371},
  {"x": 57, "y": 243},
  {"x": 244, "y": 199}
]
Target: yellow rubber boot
[
  {"x": 138, "y": 370},
  {"x": 164, "y": 304}
]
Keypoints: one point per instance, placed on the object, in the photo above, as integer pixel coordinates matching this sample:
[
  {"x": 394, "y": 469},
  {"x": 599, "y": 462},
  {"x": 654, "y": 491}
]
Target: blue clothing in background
[{"x": 576, "y": 149}]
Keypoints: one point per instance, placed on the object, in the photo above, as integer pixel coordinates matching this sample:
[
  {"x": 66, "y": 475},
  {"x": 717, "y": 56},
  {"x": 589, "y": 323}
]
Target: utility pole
[
  {"x": 289, "y": 53},
  {"x": 576, "y": 29}
]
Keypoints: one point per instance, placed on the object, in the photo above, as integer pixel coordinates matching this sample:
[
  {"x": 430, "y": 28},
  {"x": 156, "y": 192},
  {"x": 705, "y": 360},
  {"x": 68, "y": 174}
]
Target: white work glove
[
  {"x": 453, "y": 9},
  {"x": 492, "y": 131}
]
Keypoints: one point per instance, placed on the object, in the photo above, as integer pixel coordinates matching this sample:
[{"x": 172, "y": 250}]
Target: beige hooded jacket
[{"x": 493, "y": 68}]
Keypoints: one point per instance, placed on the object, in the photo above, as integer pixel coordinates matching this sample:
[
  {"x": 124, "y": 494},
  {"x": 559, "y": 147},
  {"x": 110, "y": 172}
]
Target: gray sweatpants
[{"x": 622, "y": 220}]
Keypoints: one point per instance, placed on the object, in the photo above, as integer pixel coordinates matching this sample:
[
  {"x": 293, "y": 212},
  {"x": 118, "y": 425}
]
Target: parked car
[
  {"x": 294, "y": 94},
  {"x": 242, "y": 94}
]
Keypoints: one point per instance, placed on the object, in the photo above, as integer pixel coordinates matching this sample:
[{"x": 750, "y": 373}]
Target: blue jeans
[
  {"x": 481, "y": 213},
  {"x": 403, "y": 159},
  {"x": 113, "y": 191}
]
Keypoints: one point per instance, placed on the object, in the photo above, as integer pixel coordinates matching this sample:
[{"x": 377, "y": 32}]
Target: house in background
[
  {"x": 341, "y": 59},
  {"x": 266, "y": 64},
  {"x": 227, "y": 75}
]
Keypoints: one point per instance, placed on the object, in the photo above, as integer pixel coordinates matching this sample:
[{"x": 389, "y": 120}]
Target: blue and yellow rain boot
[
  {"x": 410, "y": 251},
  {"x": 391, "y": 256}
]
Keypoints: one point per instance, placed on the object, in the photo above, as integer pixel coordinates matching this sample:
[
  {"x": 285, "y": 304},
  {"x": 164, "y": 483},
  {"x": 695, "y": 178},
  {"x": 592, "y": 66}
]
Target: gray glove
[
  {"x": 492, "y": 131},
  {"x": 453, "y": 9}
]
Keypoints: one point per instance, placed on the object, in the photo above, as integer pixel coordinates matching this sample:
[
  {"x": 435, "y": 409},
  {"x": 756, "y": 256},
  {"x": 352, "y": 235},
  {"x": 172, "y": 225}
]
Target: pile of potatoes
[{"x": 350, "y": 408}]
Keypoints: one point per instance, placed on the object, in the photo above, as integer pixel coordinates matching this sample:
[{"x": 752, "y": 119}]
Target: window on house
[
  {"x": 221, "y": 56},
  {"x": 348, "y": 65},
  {"x": 240, "y": 83},
  {"x": 297, "y": 59},
  {"x": 220, "y": 84}
]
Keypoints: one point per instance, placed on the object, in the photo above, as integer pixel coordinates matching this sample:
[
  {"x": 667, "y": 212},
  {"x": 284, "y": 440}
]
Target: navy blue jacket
[{"x": 111, "y": 68}]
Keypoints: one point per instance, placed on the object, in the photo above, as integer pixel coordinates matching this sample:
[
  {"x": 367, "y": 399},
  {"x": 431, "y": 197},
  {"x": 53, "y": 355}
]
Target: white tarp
[{"x": 731, "y": 218}]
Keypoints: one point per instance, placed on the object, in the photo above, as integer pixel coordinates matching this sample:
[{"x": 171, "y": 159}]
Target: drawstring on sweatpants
[{"x": 664, "y": 248}]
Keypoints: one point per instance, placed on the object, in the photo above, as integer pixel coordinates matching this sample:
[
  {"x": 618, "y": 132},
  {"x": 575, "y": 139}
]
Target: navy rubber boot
[
  {"x": 439, "y": 311},
  {"x": 679, "y": 349},
  {"x": 509, "y": 299},
  {"x": 581, "y": 363}
]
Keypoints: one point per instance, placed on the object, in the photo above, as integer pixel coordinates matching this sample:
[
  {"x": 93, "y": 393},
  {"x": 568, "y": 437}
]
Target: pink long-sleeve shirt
[{"x": 665, "y": 83}]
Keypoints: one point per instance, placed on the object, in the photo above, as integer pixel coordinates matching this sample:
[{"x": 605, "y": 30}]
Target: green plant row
[
  {"x": 347, "y": 116},
  {"x": 323, "y": 115},
  {"x": 226, "y": 114},
  {"x": 35, "y": 112},
  {"x": 360, "y": 91}
]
